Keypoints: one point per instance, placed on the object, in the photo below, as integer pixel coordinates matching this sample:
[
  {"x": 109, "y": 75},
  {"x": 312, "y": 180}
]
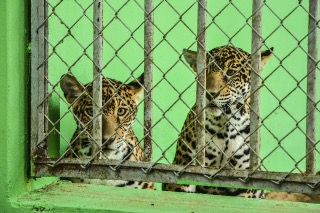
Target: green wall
[
  {"x": 13, "y": 78},
  {"x": 123, "y": 57}
]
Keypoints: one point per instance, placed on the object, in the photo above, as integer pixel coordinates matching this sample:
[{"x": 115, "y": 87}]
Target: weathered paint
[
  {"x": 14, "y": 117},
  {"x": 201, "y": 82},
  {"x": 165, "y": 173},
  {"x": 255, "y": 84},
  {"x": 13, "y": 128},
  {"x": 67, "y": 197},
  {"x": 148, "y": 78},
  {"x": 97, "y": 70},
  {"x": 311, "y": 118}
]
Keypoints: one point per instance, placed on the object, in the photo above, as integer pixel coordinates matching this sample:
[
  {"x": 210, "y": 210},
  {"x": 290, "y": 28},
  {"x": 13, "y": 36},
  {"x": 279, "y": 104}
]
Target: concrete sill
[{"x": 67, "y": 197}]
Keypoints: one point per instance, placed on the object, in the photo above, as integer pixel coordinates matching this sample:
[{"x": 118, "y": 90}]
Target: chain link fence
[{"x": 96, "y": 41}]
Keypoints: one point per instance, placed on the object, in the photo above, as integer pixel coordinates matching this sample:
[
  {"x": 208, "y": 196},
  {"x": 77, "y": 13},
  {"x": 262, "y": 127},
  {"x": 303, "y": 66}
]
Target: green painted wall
[
  {"x": 13, "y": 78},
  {"x": 124, "y": 55}
]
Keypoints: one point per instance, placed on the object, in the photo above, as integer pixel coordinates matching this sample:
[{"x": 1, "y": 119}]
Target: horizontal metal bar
[{"x": 105, "y": 169}]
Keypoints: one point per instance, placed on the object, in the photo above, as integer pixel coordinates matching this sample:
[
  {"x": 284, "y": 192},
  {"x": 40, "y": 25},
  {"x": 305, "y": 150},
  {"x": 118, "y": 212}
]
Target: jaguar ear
[
  {"x": 70, "y": 87},
  {"x": 137, "y": 86},
  {"x": 265, "y": 56},
  {"x": 191, "y": 58}
]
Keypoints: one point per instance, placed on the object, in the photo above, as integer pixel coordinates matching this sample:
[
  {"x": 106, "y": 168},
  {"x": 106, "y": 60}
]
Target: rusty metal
[
  {"x": 97, "y": 75},
  {"x": 40, "y": 67},
  {"x": 255, "y": 84},
  {"x": 201, "y": 81},
  {"x": 34, "y": 77},
  {"x": 148, "y": 76},
  {"x": 164, "y": 173},
  {"x": 312, "y": 87}
]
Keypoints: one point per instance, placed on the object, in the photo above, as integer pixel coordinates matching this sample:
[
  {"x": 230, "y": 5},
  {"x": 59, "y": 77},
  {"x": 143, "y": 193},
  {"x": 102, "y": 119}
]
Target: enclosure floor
[
  {"x": 67, "y": 197},
  {"x": 293, "y": 197}
]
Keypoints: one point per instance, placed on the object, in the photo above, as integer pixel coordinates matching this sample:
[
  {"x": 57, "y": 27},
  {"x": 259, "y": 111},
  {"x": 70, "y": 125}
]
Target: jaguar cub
[
  {"x": 120, "y": 102},
  {"x": 227, "y": 121}
]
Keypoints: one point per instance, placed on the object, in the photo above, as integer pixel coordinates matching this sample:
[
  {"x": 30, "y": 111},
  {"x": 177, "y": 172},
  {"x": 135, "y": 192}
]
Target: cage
[{"x": 96, "y": 40}]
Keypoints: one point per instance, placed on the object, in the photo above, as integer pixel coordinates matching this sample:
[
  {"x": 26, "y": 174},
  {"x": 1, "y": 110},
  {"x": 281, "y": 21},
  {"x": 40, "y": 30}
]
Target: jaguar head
[
  {"x": 119, "y": 107},
  {"x": 227, "y": 74}
]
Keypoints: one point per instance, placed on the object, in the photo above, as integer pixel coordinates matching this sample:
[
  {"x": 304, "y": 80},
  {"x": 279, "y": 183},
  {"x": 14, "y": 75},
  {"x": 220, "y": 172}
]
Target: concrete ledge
[{"x": 67, "y": 197}]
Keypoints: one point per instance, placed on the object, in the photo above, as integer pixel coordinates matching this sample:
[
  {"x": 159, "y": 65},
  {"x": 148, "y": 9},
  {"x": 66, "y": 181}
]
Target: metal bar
[
  {"x": 255, "y": 84},
  {"x": 46, "y": 77},
  {"x": 97, "y": 77},
  {"x": 148, "y": 82},
  {"x": 312, "y": 87},
  {"x": 102, "y": 169},
  {"x": 201, "y": 80},
  {"x": 41, "y": 70},
  {"x": 34, "y": 76},
  {"x": 263, "y": 175}
]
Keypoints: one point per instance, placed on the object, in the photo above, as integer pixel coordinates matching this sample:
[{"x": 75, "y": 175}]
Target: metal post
[
  {"x": 41, "y": 70},
  {"x": 97, "y": 77},
  {"x": 148, "y": 73},
  {"x": 312, "y": 87},
  {"x": 45, "y": 77},
  {"x": 255, "y": 84},
  {"x": 201, "y": 80},
  {"x": 35, "y": 19}
]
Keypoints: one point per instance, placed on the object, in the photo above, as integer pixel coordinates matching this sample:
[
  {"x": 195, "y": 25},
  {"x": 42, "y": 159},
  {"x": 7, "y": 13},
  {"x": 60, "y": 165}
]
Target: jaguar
[
  {"x": 119, "y": 109},
  {"x": 227, "y": 118}
]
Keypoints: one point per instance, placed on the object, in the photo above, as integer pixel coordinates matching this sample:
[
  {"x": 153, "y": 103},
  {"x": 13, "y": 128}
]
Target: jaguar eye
[
  {"x": 122, "y": 111},
  {"x": 90, "y": 112},
  {"x": 231, "y": 72}
]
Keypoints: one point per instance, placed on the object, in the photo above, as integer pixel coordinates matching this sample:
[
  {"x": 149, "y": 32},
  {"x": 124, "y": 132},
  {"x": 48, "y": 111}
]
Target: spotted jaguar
[
  {"x": 120, "y": 102},
  {"x": 227, "y": 118}
]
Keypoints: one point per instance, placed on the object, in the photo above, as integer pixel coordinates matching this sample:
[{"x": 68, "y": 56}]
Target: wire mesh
[{"x": 72, "y": 37}]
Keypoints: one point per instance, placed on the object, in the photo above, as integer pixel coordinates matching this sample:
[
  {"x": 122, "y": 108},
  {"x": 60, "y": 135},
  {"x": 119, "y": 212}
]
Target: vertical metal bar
[
  {"x": 255, "y": 84},
  {"x": 42, "y": 72},
  {"x": 45, "y": 77},
  {"x": 148, "y": 73},
  {"x": 97, "y": 77},
  {"x": 312, "y": 87},
  {"x": 201, "y": 80},
  {"x": 34, "y": 75}
]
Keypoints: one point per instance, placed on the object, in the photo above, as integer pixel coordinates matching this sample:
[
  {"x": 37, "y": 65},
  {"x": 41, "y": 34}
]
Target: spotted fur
[
  {"x": 120, "y": 102},
  {"x": 227, "y": 118}
]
